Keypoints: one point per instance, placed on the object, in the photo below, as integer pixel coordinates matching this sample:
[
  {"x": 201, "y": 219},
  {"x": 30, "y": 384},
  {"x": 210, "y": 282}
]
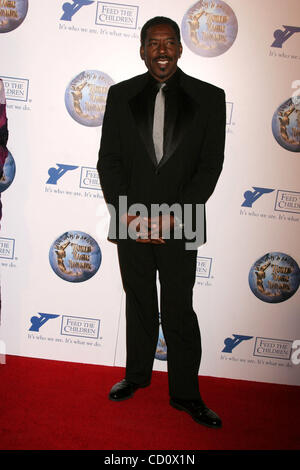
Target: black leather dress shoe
[
  {"x": 124, "y": 390},
  {"x": 198, "y": 411}
]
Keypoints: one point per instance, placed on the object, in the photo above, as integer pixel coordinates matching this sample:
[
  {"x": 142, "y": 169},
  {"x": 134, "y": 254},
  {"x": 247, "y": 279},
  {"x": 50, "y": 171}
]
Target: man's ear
[
  {"x": 142, "y": 52},
  {"x": 180, "y": 49}
]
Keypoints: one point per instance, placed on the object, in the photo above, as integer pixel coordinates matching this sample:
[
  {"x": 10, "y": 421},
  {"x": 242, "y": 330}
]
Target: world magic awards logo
[
  {"x": 161, "y": 347},
  {"x": 12, "y": 14},
  {"x": 274, "y": 277},
  {"x": 8, "y": 173},
  {"x": 209, "y": 28},
  {"x": 85, "y": 97},
  {"x": 75, "y": 256},
  {"x": 286, "y": 124}
]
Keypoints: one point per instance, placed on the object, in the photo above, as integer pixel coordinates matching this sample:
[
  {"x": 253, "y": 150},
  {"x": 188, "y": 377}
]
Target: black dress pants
[{"x": 139, "y": 264}]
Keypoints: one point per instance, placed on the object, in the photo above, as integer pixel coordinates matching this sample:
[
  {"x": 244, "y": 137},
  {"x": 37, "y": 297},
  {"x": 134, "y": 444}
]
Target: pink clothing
[
  {"x": 3, "y": 131},
  {"x": 3, "y": 119}
]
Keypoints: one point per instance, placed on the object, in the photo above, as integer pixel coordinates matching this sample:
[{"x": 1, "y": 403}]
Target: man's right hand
[{"x": 142, "y": 227}]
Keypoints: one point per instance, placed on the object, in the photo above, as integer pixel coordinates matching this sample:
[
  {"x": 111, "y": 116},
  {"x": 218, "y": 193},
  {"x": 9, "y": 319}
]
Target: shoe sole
[
  {"x": 121, "y": 399},
  {"x": 182, "y": 408}
]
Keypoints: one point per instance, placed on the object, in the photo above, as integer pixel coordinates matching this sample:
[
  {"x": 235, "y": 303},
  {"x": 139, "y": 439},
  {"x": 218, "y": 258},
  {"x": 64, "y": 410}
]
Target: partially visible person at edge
[
  {"x": 3, "y": 142},
  {"x": 3, "y": 133}
]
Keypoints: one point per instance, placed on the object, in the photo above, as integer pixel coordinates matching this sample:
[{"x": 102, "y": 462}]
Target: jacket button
[{"x": 157, "y": 172}]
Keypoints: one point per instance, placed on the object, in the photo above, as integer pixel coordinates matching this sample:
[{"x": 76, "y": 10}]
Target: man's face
[{"x": 161, "y": 51}]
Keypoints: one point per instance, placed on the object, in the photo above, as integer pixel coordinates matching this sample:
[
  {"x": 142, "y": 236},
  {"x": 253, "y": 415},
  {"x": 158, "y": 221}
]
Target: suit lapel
[
  {"x": 142, "y": 118},
  {"x": 176, "y": 128}
]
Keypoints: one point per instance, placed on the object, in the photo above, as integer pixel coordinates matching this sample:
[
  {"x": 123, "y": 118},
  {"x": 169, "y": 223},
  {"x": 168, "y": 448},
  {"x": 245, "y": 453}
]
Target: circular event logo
[
  {"x": 286, "y": 124},
  {"x": 274, "y": 277},
  {"x": 75, "y": 256},
  {"x": 12, "y": 14},
  {"x": 209, "y": 28},
  {"x": 161, "y": 348},
  {"x": 85, "y": 97},
  {"x": 8, "y": 174}
]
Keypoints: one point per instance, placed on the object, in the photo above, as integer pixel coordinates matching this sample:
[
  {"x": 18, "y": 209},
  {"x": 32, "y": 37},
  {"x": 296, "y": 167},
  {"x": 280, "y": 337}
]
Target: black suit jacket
[{"x": 193, "y": 158}]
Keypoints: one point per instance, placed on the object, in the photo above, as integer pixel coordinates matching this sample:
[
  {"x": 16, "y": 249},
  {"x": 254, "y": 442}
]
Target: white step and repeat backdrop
[{"x": 62, "y": 297}]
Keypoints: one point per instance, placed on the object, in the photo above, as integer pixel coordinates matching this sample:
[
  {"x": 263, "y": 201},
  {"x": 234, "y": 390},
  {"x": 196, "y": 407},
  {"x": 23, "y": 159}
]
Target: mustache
[{"x": 163, "y": 57}]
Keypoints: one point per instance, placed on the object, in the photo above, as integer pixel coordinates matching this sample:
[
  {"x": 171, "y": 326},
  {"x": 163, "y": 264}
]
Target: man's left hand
[{"x": 158, "y": 228}]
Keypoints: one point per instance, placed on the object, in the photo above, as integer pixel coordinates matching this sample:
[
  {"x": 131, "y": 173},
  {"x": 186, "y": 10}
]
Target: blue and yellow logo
[
  {"x": 274, "y": 277},
  {"x": 75, "y": 256},
  {"x": 85, "y": 97},
  {"x": 8, "y": 173},
  {"x": 12, "y": 14},
  {"x": 286, "y": 124},
  {"x": 209, "y": 28}
]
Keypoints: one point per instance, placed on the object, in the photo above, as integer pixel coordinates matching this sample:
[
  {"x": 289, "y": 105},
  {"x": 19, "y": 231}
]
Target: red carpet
[{"x": 51, "y": 405}]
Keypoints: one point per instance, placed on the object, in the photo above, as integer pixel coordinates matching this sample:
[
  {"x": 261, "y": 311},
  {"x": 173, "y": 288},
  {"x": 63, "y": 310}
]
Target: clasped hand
[{"x": 150, "y": 230}]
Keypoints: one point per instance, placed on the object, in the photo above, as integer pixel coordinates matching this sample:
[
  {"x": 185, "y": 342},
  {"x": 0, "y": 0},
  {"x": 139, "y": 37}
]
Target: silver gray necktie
[{"x": 158, "y": 123}]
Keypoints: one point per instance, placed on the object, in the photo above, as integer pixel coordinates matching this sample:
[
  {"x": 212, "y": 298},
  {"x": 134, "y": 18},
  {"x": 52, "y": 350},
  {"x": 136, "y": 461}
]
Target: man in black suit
[{"x": 161, "y": 154}]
